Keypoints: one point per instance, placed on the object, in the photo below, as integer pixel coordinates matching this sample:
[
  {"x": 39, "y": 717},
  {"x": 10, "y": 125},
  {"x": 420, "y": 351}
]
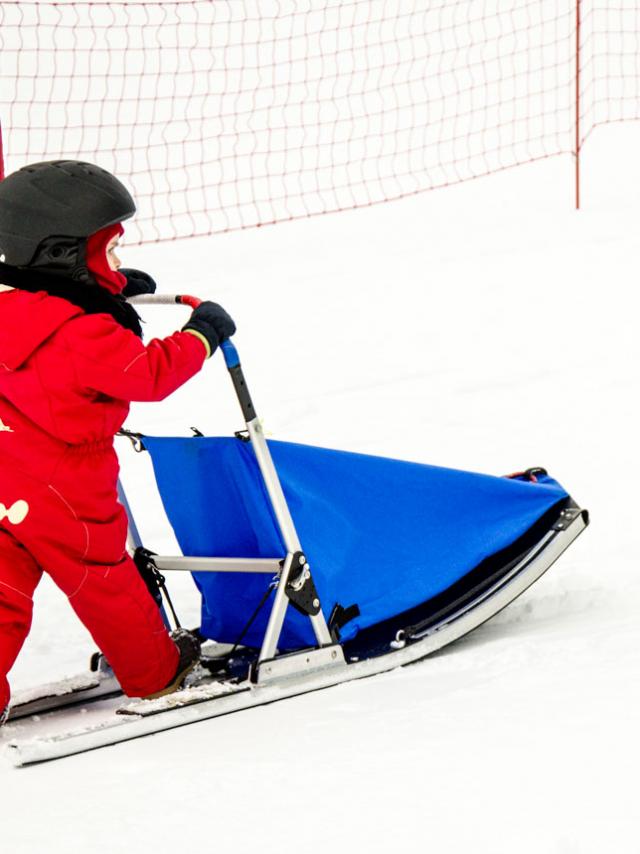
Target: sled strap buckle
[
  {"x": 300, "y": 589},
  {"x": 134, "y": 438},
  {"x": 154, "y": 580},
  {"x": 340, "y": 617},
  {"x": 530, "y": 475}
]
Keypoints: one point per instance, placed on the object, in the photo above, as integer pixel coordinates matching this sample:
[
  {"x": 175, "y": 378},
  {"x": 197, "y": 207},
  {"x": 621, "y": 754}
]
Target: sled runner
[{"x": 315, "y": 567}]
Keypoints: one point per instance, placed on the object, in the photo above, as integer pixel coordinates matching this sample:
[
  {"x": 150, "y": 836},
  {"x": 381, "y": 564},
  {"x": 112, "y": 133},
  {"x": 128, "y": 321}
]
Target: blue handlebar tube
[
  {"x": 231, "y": 357},
  {"x": 232, "y": 360}
]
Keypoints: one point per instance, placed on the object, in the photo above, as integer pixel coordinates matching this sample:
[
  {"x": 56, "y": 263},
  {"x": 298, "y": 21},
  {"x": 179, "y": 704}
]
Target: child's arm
[{"x": 113, "y": 361}]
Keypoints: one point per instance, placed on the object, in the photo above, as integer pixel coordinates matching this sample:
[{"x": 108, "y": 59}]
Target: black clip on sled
[{"x": 295, "y": 583}]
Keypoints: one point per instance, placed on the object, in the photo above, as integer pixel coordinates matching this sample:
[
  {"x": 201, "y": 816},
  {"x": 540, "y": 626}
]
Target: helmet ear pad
[
  {"x": 63, "y": 256},
  {"x": 80, "y": 259}
]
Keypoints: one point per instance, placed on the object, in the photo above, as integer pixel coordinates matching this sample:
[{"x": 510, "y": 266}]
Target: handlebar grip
[
  {"x": 154, "y": 299},
  {"x": 192, "y": 302},
  {"x": 165, "y": 299}
]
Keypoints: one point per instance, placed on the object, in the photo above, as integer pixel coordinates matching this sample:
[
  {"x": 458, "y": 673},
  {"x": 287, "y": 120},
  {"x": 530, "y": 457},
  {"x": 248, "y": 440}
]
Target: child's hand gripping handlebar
[{"x": 231, "y": 357}]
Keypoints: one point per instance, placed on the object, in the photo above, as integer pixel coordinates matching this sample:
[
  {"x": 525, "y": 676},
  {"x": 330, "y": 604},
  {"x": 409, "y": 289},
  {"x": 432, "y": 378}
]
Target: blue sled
[{"x": 397, "y": 549}]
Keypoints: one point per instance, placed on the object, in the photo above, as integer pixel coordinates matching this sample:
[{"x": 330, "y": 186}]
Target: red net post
[{"x": 578, "y": 103}]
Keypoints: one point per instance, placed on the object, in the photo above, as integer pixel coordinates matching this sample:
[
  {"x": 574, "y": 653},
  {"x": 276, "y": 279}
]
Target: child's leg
[
  {"x": 79, "y": 540},
  {"x": 124, "y": 621},
  {"x": 19, "y": 576}
]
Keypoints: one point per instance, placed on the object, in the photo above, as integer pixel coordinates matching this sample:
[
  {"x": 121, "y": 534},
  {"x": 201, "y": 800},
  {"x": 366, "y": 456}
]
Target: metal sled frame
[
  {"x": 294, "y": 578},
  {"x": 292, "y": 571}
]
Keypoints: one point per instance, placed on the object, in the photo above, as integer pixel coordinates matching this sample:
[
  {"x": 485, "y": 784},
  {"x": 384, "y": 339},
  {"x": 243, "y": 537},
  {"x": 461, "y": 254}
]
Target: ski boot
[
  {"x": 4, "y": 716},
  {"x": 189, "y": 649}
]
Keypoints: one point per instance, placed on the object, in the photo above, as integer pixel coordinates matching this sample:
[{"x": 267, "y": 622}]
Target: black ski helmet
[{"x": 58, "y": 198}]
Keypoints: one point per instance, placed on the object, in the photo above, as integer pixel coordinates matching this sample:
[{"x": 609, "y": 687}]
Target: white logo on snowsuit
[
  {"x": 4, "y": 428},
  {"x": 16, "y": 513}
]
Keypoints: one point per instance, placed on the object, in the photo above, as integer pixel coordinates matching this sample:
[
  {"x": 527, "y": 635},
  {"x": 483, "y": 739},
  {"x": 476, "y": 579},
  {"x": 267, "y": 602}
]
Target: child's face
[{"x": 112, "y": 259}]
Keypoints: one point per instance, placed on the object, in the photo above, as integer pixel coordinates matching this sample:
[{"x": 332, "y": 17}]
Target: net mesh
[
  {"x": 236, "y": 113},
  {"x": 610, "y": 64}
]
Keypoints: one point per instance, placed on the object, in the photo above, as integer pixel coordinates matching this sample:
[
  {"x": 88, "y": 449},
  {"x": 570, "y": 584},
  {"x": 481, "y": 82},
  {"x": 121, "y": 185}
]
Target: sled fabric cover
[{"x": 383, "y": 534}]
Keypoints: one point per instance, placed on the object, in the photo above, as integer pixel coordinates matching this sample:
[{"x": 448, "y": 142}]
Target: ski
[
  {"x": 109, "y": 721},
  {"x": 79, "y": 690},
  {"x": 195, "y": 693},
  {"x": 75, "y": 690}
]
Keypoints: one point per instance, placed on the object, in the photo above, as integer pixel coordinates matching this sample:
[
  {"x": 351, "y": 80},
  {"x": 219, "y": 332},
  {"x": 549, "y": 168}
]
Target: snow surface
[{"x": 487, "y": 327}]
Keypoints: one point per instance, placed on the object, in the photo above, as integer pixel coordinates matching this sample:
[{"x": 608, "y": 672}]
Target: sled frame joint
[{"x": 300, "y": 590}]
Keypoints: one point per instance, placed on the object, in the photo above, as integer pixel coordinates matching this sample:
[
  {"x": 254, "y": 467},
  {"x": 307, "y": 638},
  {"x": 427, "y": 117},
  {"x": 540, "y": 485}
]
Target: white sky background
[{"x": 488, "y": 327}]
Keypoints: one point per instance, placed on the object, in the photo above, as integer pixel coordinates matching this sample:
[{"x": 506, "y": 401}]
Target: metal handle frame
[{"x": 272, "y": 484}]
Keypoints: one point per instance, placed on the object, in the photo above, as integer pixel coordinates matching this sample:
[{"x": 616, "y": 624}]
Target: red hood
[
  {"x": 111, "y": 280},
  {"x": 26, "y": 321}
]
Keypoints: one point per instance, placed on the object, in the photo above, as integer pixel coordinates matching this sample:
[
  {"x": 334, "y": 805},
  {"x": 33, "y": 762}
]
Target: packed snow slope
[{"x": 488, "y": 327}]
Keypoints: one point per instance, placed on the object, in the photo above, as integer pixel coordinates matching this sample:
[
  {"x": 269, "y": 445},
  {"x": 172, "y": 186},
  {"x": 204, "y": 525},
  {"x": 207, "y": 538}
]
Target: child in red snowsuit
[{"x": 67, "y": 374}]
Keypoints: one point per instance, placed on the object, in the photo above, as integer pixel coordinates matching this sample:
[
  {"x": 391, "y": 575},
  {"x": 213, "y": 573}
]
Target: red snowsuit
[{"x": 66, "y": 380}]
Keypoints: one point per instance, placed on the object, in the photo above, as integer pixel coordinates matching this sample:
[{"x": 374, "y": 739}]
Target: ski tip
[{"x": 13, "y": 755}]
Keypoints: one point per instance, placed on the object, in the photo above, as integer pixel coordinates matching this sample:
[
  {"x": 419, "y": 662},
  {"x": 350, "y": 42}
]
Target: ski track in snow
[{"x": 487, "y": 327}]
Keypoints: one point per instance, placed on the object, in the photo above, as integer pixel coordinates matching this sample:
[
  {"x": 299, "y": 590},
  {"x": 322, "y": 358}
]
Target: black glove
[
  {"x": 137, "y": 282},
  {"x": 212, "y": 321}
]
